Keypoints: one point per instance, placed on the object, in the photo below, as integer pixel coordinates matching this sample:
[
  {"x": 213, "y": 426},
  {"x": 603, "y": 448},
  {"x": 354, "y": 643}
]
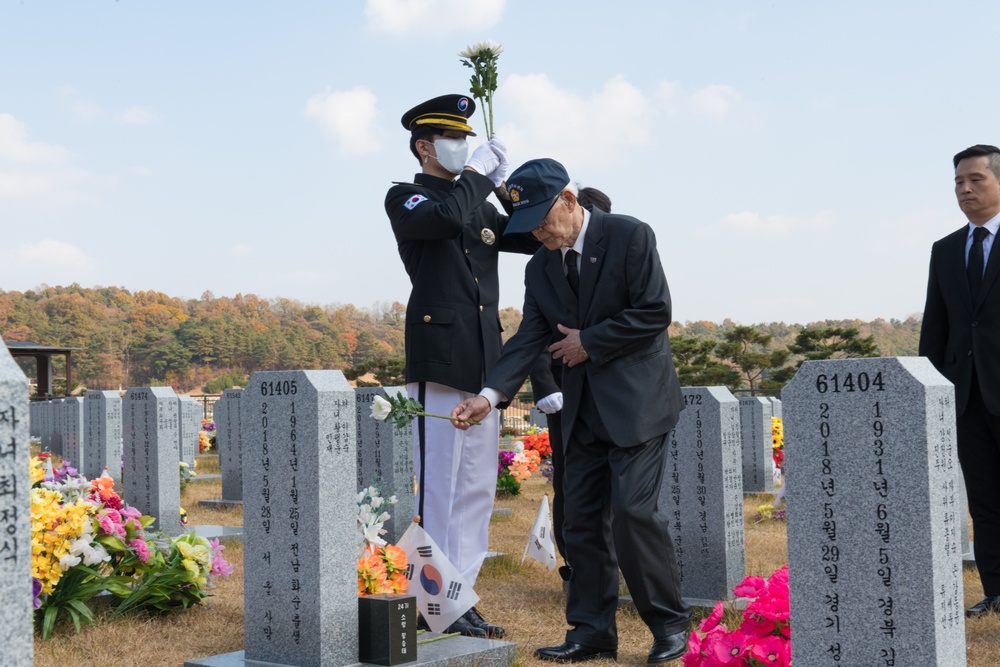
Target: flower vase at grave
[{"x": 387, "y": 629}]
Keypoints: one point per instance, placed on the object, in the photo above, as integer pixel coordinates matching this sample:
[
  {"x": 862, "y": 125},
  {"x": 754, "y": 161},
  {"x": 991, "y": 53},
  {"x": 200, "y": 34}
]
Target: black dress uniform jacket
[{"x": 449, "y": 238}]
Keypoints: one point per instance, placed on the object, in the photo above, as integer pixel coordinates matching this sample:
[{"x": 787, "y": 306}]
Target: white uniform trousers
[{"x": 460, "y": 480}]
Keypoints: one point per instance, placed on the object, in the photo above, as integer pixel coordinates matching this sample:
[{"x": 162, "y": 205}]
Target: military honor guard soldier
[{"x": 449, "y": 238}]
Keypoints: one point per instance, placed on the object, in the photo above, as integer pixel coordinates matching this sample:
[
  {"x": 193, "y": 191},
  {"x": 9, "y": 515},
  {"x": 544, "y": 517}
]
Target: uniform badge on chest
[{"x": 489, "y": 238}]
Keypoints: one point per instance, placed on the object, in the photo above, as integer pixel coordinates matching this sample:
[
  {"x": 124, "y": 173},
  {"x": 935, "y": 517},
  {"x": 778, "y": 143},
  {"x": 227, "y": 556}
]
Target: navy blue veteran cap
[
  {"x": 448, "y": 112},
  {"x": 533, "y": 188}
]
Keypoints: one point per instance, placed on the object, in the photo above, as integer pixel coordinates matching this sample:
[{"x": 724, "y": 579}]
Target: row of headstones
[
  {"x": 87, "y": 430},
  {"x": 874, "y": 543}
]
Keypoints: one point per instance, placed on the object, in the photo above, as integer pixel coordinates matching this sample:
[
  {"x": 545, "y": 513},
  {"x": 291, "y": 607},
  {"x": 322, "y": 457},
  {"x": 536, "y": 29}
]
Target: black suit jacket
[
  {"x": 449, "y": 238},
  {"x": 957, "y": 333},
  {"x": 623, "y": 312}
]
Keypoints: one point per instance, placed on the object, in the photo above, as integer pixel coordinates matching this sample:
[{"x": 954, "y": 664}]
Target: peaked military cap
[{"x": 447, "y": 112}]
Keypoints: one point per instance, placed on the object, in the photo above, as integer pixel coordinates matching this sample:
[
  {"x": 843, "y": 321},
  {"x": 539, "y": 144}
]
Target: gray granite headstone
[
  {"x": 74, "y": 443},
  {"x": 873, "y": 536},
  {"x": 775, "y": 406},
  {"x": 538, "y": 418},
  {"x": 300, "y": 518},
  {"x": 16, "y": 611},
  {"x": 755, "y": 434},
  {"x": 385, "y": 460},
  {"x": 229, "y": 442},
  {"x": 189, "y": 428},
  {"x": 102, "y": 422},
  {"x": 58, "y": 421},
  {"x": 149, "y": 451},
  {"x": 702, "y": 491}
]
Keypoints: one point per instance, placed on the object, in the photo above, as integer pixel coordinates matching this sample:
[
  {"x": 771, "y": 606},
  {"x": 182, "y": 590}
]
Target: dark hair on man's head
[
  {"x": 591, "y": 197},
  {"x": 426, "y": 133},
  {"x": 981, "y": 150}
]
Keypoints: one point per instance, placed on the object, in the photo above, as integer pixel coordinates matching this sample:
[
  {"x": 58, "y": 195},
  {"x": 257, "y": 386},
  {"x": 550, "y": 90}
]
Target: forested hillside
[{"x": 147, "y": 337}]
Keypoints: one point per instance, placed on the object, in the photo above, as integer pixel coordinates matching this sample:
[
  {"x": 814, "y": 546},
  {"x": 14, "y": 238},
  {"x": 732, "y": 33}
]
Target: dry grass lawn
[{"x": 526, "y": 599}]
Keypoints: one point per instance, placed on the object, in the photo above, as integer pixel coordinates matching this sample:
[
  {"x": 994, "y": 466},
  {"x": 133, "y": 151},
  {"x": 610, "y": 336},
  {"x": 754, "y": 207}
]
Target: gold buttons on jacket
[
  {"x": 466, "y": 251},
  {"x": 427, "y": 318},
  {"x": 480, "y": 309}
]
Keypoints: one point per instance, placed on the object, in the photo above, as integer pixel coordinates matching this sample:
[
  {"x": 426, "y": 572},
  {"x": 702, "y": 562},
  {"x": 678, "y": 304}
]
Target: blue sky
[{"x": 793, "y": 158}]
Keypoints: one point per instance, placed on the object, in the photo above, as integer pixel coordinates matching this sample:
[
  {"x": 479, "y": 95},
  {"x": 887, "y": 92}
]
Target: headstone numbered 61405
[
  {"x": 873, "y": 514},
  {"x": 16, "y": 611}
]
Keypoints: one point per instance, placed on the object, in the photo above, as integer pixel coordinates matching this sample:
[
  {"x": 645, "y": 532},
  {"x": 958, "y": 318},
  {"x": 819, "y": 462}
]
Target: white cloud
[
  {"x": 777, "y": 225},
  {"x": 140, "y": 171},
  {"x": 347, "y": 117},
  {"x": 439, "y": 16},
  {"x": 567, "y": 127},
  {"x": 136, "y": 116},
  {"x": 16, "y": 147},
  {"x": 57, "y": 261},
  {"x": 715, "y": 100},
  {"x": 240, "y": 250}
]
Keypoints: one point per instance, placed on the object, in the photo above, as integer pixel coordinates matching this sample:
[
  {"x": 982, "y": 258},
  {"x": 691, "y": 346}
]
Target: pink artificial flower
[
  {"x": 708, "y": 644},
  {"x": 786, "y": 630},
  {"x": 111, "y": 523},
  {"x": 712, "y": 620},
  {"x": 730, "y": 648},
  {"x": 755, "y": 627},
  {"x": 771, "y": 651},
  {"x": 131, "y": 515},
  {"x": 750, "y": 587},
  {"x": 141, "y": 550},
  {"x": 693, "y": 657},
  {"x": 219, "y": 565},
  {"x": 777, "y": 585},
  {"x": 774, "y": 608}
]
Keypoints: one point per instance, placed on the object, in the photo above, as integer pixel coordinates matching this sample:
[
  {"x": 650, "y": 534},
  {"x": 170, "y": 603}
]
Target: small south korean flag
[
  {"x": 442, "y": 593},
  {"x": 412, "y": 202},
  {"x": 540, "y": 545}
]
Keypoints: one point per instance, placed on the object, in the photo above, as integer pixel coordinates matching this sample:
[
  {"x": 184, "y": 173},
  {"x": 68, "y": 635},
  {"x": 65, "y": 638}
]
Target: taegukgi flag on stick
[
  {"x": 442, "y": 593},
  {"x": 540, "y": 545}
]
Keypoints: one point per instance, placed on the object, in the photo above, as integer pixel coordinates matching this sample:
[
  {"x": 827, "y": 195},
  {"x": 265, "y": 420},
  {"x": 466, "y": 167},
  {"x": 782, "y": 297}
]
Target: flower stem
[{"x": 454, "y": 419}]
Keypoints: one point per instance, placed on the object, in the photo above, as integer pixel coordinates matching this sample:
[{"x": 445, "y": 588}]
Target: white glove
[
  {"x": 484, "y": 160},
  {"x": 500, "y": 150},
  {"x": 551, "y": 403}
]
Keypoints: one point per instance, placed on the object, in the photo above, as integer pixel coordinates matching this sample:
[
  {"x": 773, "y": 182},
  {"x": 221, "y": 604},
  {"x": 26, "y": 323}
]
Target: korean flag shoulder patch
[{"x": 412, "y": 202}]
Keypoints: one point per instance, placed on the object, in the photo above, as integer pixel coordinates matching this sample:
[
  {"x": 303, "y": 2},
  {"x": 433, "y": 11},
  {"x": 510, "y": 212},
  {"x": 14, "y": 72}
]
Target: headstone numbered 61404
[
  {"x": 873, "y": 514},
  {"x": 151, "y": 472}
]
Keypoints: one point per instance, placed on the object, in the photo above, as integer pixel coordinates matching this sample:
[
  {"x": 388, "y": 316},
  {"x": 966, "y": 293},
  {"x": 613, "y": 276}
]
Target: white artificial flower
[
  {"x": 381, "y": 408},
  {"x": 68, "y": 561},
  {"x": 518, "y": 446},
  {"x": 393, "y": 500}
]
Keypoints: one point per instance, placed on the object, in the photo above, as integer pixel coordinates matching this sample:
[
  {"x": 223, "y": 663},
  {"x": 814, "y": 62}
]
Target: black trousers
[
  {"x": 599, "y": 474},
  {"x": 978, "y": 434}
]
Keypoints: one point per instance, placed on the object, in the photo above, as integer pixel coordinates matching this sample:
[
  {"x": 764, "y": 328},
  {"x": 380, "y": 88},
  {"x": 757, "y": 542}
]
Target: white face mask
[{"x": 452, "y": 154}]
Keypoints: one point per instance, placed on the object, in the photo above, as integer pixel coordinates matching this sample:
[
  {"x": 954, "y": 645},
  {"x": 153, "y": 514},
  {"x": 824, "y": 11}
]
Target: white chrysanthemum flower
[
  {"x": 486, "y": 47},
  {"x": 381, "y": 408}
]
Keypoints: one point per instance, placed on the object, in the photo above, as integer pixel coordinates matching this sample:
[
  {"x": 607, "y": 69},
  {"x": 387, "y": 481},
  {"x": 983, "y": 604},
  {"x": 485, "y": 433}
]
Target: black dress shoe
[
  {"x": 989, "y": 605},
  {"x": 476, "y": 619},
  {"x": 465, "y": 628},
  {"x": 573, "y": 652},
  {"x": 668, "y": 648}
]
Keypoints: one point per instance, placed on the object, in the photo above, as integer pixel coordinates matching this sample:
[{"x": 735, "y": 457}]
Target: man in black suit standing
[
  {"x": 961, "y": 337},
  {"x": 599, "y": 284}
]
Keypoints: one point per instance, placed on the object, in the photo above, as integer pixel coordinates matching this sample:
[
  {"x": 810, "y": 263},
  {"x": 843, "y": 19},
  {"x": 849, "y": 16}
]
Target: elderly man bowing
[{"x": 600, "y": 284}]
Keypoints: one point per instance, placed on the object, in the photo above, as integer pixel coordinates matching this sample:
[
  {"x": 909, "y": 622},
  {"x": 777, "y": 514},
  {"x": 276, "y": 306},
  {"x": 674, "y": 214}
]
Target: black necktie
[
  {"x": 974, "y": 268},
  {"x": 573, "y": 274}
]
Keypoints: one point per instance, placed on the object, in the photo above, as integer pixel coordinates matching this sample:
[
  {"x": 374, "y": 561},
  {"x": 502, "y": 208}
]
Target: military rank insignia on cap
[{"x": 447, "y": 112}]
